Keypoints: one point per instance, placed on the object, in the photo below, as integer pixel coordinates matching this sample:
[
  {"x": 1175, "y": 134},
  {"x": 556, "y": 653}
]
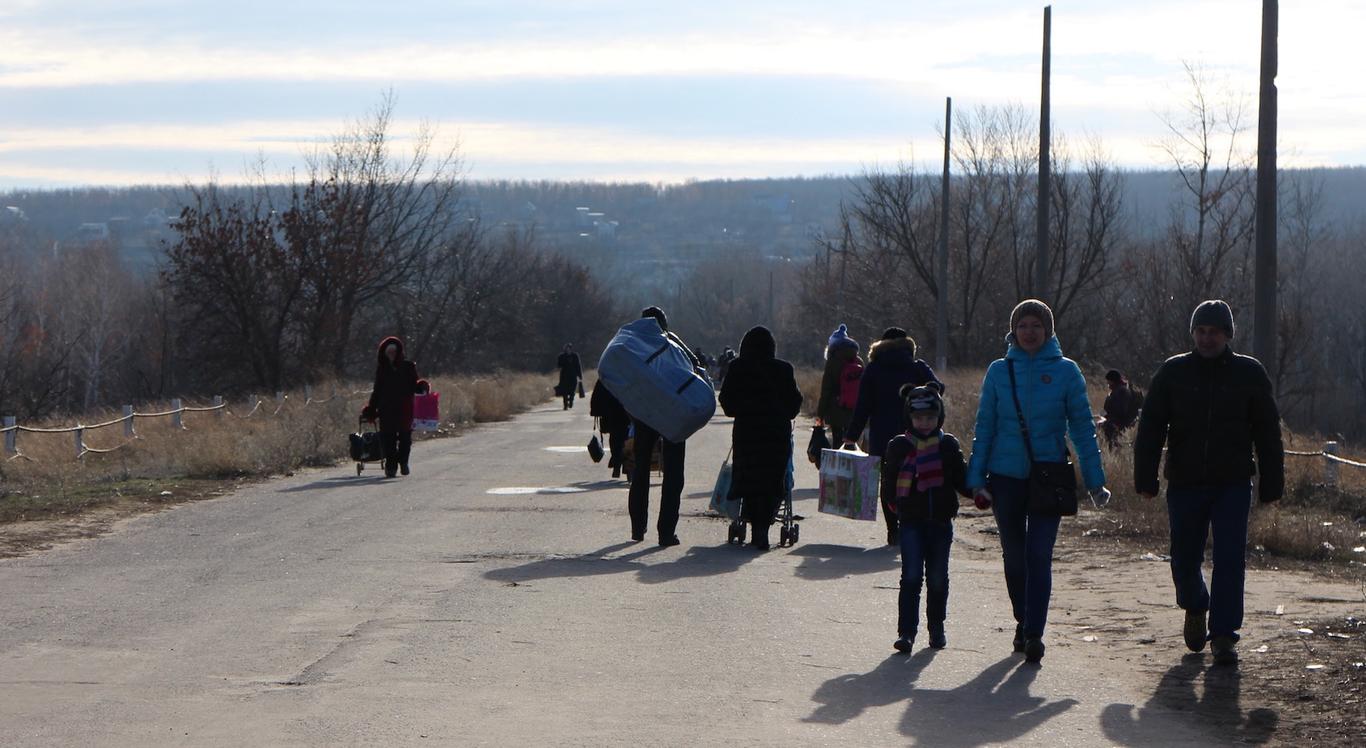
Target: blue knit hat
[{"x": 840, "y": 337}]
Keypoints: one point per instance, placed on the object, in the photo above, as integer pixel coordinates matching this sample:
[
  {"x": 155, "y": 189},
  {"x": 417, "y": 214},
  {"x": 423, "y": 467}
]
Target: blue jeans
[
  {"x": 1026, "y": 549},
  {"x": 1194, "y": 512},
  {"x": 924, "y": 557}
]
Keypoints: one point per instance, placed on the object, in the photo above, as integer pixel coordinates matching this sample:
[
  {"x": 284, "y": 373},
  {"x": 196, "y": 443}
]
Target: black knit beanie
[{"x": 1213, "y": 313}]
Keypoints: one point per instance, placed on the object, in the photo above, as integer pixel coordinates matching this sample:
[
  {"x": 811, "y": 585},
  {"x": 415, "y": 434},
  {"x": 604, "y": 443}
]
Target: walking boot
[
  {"x": 1224, "y": 649},
  {"x": 403, "y": 469},
  {"x": 1033, "y": 649},
  {"x": 1194, "y": 630},
  {"x": 904, "y": 644},
  {"x": 937, "y": 639},
  {"x": 759, "y": 533},
  {"x": 1019, "y": 642}
]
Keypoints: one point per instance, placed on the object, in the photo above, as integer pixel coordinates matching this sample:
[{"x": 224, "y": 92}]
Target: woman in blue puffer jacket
[{"x": 1052, "y": 394}]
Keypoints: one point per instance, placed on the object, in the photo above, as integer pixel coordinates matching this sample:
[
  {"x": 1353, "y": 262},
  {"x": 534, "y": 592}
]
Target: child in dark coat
[{"x": 923, "y": 473}]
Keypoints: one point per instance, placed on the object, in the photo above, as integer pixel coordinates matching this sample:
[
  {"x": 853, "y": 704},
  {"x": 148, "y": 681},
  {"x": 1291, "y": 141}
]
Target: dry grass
[
  {"x": 224, "y": 446},
  {"x": 1314, "y": 521}
]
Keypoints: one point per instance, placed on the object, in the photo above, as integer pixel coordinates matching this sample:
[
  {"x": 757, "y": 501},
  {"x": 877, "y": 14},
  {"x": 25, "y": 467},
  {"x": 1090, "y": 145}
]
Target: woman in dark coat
[
  {"x": 571, "y": 371},
  {"x": 891, "y": 364},
  {"x": 761, "y": 394},
  {"x": 613, "y": 420},
  {"x": 391, "y": 402}
]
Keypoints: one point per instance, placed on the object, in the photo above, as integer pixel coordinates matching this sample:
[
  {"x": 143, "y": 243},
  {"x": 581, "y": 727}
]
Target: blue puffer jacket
[{"x": 1053, "y": 397}]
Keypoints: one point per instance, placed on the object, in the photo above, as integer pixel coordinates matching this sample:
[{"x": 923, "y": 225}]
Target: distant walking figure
[
  {"x": 839, "y": 383},
  {"x": 1121, "y": 408},
  {"x": 391, "y": 402},
  {"x": 1211, "y": 407},
  {"x": 571, "y": 371}
]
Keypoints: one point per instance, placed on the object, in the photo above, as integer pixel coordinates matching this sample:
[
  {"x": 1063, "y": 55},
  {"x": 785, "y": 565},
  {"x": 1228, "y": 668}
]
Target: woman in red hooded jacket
[{"x": 391, "y": 402}]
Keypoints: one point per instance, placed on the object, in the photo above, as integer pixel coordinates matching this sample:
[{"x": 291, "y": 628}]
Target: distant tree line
[
  {"x": 270, "y": 287},
  {"x": 1122, "y": 293}
]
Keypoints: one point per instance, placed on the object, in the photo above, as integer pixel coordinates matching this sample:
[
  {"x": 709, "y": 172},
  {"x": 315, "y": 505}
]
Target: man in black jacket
[{"x": 1212, "y": 407}]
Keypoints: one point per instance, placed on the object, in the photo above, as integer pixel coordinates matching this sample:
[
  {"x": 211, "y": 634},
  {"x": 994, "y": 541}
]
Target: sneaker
[
  {"x": 1224, "y": 650},
  {"x": 1194, "y": 630},
  {"x": 669, "y": 541},
  {"x": 1033, "y": 649},
  {"x": 938, "y": 640},
  {"x": 904, "y": 644},
  {"x": 1019, "y": 641}
]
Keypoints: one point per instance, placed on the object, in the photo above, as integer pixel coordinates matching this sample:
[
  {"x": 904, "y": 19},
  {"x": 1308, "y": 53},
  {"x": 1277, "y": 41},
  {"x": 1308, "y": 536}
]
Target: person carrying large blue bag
[{"x": 659, "y": 382}]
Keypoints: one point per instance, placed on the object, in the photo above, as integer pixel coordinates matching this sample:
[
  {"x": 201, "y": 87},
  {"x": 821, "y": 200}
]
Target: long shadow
[
  {"x": 1217, "y": 708},
  {"x": 341, "y": 481},
  {"x": 594, "y": 563},
  {"x": 698, "y": 561},
  {"x": 845, "y": 697},
  {"x": 993, "y": 708},
  {"x": 826, "y": 561}
]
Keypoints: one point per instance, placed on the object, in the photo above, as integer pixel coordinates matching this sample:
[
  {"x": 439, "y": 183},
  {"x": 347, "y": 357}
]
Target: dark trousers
[
  {"x": 671, "y": 494},
  {"x": 616, "y": 444},
  {"x": 1195, "y": 513},
  {"x": 396, "y": 446},
  {"x": 1026, "y": 550},
  {"x": 924, "y": 559}
]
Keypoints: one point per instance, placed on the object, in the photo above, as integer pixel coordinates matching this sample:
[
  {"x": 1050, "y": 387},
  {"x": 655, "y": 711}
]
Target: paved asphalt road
[{"x": 326, "y": 609}]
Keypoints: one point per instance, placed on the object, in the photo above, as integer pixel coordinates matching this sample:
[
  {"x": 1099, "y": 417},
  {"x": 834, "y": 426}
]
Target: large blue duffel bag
[{"x": 655, "y": 380}]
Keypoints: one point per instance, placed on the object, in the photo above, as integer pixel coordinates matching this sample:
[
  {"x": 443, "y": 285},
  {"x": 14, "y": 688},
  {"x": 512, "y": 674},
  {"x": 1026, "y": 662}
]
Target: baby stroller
[
  {"x": 365, "y": 446},
  {"x": 789, "y": 532}
]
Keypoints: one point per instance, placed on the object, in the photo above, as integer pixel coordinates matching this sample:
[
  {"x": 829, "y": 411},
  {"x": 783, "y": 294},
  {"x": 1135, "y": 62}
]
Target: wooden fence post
[
  {"x": 218, "y": 403},
  {"x": 128, "y": 430},
  {"x": 308, "y": 394},
  {"x": 1330, "y": 466},
  {"x": 11, "y": 437},
  {"x": 80, "y": 440},
  {"x": 176, "y": 414}
]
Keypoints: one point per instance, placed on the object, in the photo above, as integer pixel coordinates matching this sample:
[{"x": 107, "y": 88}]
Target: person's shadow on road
[
  {"x": 698, "y": 561},
  {"x": 594, "y": 563},
  {"x": 1216, "y": 708},
  {"x": 827, "y": 561},
  {"x": 845, "y": 697},
  {"x": 993, "y": 708}
]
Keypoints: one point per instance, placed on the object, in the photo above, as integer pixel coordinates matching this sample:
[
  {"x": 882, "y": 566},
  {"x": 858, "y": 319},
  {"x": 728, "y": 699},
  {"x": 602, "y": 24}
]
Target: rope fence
[
  {"x": 1331, "y": 460},
  {"x": 11, "y": 428}
]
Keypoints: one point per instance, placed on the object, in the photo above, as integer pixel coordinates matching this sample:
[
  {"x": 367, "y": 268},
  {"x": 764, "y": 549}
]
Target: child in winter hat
[
  {"x": 840, "y": 338},
  {"x": 923, "y": 474}
]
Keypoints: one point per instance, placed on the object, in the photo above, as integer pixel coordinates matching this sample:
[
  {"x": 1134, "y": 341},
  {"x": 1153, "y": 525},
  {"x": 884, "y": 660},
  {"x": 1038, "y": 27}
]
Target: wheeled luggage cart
[
  {"x": 365, "y": 445},
  {"x": 789, "y": 531}
]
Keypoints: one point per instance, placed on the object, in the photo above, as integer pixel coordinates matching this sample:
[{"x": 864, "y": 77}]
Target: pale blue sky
[{"x": 158, "y": 91}]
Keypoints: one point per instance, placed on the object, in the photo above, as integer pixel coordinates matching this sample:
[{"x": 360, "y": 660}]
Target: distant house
[
  {"x": 90, "y": 232},
  {"x": 583, "y": 217},
  {"x": 607, "y": 230}
]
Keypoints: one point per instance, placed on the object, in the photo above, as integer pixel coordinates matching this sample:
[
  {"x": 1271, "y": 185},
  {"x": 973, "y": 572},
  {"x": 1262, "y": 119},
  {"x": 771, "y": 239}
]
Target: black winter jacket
[
  {"x": 760, "y": 392},
  {"x": 938, "y": 503},
  {"x": 1210, "y": 413}
]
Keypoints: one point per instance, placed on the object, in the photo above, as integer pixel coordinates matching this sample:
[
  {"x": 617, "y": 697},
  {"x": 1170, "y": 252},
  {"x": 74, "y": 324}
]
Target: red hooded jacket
[{"x": 395, "y": 384}]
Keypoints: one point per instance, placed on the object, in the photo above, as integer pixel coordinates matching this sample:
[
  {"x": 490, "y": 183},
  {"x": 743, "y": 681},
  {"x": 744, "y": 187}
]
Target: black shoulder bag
[{"x": 1052, "y": 485}]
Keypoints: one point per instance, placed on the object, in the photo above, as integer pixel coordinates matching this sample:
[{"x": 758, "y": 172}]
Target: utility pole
[
  {"x": 1264, "y": 312},
  {"x": 941, "y": 332},
  {"x": 1041, "y": 258}
]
